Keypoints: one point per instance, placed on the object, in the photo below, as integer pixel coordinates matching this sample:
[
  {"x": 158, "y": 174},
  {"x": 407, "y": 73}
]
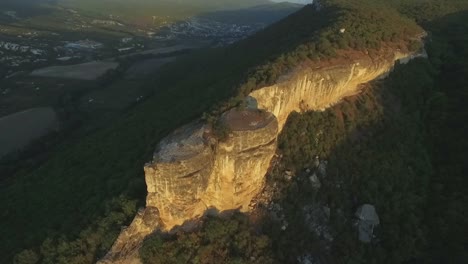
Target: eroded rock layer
[
  {"x": 242, "y": 160},
  {"x": 321, "y": 87},
  {"x": 192, "y": 172},
  {"x": 179, "y": 174}
]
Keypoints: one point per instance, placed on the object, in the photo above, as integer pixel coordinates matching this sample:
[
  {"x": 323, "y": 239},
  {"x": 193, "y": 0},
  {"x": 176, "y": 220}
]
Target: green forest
[{"x": 399, "y": 146}]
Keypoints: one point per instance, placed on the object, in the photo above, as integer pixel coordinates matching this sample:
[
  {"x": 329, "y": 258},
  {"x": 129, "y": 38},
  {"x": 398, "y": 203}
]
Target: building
[{"x": 84, "y": 44}]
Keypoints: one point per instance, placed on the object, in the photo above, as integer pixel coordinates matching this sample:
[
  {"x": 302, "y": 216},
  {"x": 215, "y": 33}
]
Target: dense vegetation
[
  {"x": 447, "y": 206},
  {"x": 376, "y": 152},
  {"x": 65, "y": 199},
  {"x": 375, "y": 155},
  {"x": 399, "y": 146},
  {"x": 382, "y": 152},
  {"x": 219, "y": 241},
  {"x": 137, "y": 11},
  {"x": 406, "y": 158}
]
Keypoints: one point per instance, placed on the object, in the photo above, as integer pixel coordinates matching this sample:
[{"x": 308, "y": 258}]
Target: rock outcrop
[
  {"x": 318, "y": 88},
  {"x": 367, "y": 219},
  {"x": 192, "y": 172},
  {"x": 178, "y": 176}
]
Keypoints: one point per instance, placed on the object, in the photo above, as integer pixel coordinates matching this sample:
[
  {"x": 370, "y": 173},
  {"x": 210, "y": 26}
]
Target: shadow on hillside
[
  {"x": 370, "y": 150},
  {"x": 380, "y": 162},
  {"x": 376, "y": 149},
  {"x": 108, "y": 163},
  {"x": 105, "y": 164},
  {"x": 263, "y": 14}
]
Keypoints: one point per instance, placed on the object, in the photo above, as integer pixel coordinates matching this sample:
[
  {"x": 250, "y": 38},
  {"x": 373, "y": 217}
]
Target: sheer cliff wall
[
  {"x": 321, "y": 87},
  {"x": 192, "y": 172}
]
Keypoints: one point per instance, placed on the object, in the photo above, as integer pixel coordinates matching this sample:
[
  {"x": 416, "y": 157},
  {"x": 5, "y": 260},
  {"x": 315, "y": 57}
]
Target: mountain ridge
[
  {"x": 226, "y": 175},
  {"x": 82, "y": 175}
]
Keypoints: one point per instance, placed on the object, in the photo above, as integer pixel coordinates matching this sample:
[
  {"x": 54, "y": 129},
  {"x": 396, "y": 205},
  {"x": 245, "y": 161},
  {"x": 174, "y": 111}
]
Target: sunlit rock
[{"x": 192, "y": 171}]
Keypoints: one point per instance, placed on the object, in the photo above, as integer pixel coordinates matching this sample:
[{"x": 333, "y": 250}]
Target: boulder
[
  {"x": 315, "y": 181},
  {"x": 367, "y": 220}
]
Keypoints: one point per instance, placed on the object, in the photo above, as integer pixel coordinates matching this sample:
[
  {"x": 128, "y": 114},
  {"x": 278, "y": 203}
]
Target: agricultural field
[
  {"x": 19, "y": 129},
  {"x": 24, "y": 92},
  {"x": 158, "y": 50},
  {"x": 146, "y": 67},
  {"x": 84, "y": 71}
]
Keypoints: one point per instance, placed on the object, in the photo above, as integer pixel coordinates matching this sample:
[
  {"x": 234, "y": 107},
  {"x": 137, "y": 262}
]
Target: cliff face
[
  {"x": 321, "y": 87},
  {"x": 192, "y": 172},
  {"x": 178, "y": 176},
  {"x": 242, "y": 160}
]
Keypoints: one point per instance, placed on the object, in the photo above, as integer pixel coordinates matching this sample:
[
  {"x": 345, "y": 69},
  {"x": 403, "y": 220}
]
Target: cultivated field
[
  {"x": 164, "y": 50},
  {"x": 146, "y": 67},
  {"x": 84, "y": 71},
  {"x": 19, "y": 129}
]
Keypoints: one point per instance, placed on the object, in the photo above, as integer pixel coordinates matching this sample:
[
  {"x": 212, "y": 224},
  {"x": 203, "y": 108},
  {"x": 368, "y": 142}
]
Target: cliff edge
[{"x": 192, "y": 172}]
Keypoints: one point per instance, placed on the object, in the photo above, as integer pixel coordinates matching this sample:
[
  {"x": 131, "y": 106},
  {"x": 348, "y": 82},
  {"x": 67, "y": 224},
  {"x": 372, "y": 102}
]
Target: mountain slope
[
  {"x": 82, "y": 192},
  {"x": 263, "y": 14},
  {"x": 399, "y": 145},
  {"x": 162, "y": 8}
]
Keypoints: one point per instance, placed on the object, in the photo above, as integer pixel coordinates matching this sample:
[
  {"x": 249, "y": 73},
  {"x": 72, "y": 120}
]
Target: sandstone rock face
[
  {"x": 320, "y": 88},
  {"x": 178, "y": 176},
  {"x": 242, "y": 160},
  {"x": 192, "y": 172}
]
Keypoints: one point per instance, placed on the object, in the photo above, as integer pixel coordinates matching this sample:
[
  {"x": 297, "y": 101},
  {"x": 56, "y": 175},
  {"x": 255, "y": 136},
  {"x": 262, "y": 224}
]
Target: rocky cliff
[
  {"x": 319, "y": 87},
  {"x": 192, "y": 172}
]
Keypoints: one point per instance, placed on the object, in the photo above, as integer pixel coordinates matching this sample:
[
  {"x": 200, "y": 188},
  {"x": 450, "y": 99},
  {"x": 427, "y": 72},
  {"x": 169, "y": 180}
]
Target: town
[{"x": 26, "y": 47}]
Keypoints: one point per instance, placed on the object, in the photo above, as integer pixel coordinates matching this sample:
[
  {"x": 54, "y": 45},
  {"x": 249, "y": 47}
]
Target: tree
[{"x": 26, "y": 257}]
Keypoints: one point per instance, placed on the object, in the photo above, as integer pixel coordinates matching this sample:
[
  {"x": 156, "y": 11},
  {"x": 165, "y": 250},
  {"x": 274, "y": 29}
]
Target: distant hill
[
  {"x": 302, "y": 2},
  {"x": 265, "y": 14},
  {"x": 195, "y": 5},
  {"x": 174, "y": 8},
  {"x": 10, "y": 3},
  {"x": 177, "y": 9},
  {"x": 220, "y": 4},
  {"x": 50, "y": 14}
]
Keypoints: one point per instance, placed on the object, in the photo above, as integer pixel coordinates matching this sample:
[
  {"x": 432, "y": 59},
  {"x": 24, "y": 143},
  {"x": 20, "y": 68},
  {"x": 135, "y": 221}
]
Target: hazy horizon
[
  {"x": 304, "y": 2},
  {"x": 156, "y": 1}
]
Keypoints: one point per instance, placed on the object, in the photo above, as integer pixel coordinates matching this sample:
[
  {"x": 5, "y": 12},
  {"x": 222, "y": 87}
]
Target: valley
[
  {"x": 222, "y": 132},
  {"x": 46, "y": 48}
]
